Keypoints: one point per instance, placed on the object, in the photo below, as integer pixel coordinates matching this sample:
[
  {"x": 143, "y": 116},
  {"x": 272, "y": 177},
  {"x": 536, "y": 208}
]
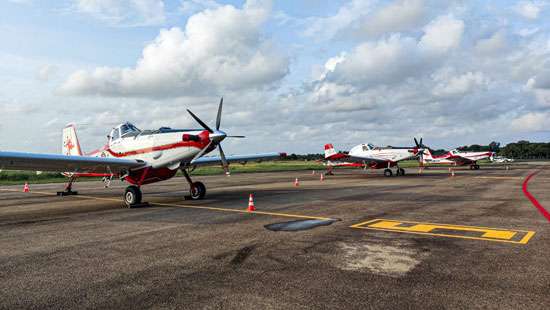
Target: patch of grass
[{"x": 20, "y": 177}]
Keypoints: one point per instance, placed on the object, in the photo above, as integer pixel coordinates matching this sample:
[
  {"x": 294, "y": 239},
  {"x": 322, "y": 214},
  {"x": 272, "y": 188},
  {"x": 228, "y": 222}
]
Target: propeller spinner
[{"x": 216, "y": 137}]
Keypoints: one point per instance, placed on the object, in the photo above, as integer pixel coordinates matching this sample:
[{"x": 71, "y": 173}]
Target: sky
[{"x": 294, "y": 74}]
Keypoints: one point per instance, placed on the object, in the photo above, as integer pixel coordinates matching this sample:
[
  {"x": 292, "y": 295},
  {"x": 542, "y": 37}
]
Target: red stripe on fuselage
[{"x": 198, "y": 145}]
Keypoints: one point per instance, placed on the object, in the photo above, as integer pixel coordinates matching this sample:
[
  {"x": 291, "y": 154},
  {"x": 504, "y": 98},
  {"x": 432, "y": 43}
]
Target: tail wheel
[
  {"x": 132, "y": 195},
  {"x": 401, "y": 171},
  {"x": 387, "y": 172},
  {"x": 476, "y": 167},
  {"x": 197, "y": 191}
]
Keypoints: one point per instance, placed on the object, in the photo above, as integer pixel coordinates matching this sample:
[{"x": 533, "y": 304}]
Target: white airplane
[
  {"x": 454, "y": 157},
  {"x": 374, "y": 157},
  {"x": 137, "y": 156},
  {"x": 502, "y": 159}
]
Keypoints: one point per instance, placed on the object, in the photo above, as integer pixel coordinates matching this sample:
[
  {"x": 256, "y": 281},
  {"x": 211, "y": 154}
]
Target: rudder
[{"x": 70, "y": 145}]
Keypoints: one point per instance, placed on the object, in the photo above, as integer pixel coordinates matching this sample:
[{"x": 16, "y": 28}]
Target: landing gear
[
  {"x": 197, "y": 190},
  {"x": 388, "y": 172},
  {"x": 68, "y": 188},
  {"x": 400, "y": 171},
  {"x": 474, "y": 167},
  {"x": 132, "y": 196}
]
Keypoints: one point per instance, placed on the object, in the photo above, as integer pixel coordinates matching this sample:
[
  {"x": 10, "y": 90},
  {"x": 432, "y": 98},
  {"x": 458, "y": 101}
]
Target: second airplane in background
[{"x": 374, "y": 157}]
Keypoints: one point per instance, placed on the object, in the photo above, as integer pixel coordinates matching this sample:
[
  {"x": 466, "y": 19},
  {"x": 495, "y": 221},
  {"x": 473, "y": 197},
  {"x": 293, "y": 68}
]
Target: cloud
[
  {"x": 219, "y": 50},
  {"x": 442, "y": 34},
  {"x": 396, "y": 58},
  {"x": 124, "y": 12},
  {"x": 529, "y": 9},
  {"x": 496, "y": 43},
  {"x": 396, "y": 16},
  {"x": 327, "y": 27},
  {"x": 46, "y": 72},
  {"x": 530, "y": 122},
  {"x": 190, "y": 7},
  {"x": 451, "y": 85}
]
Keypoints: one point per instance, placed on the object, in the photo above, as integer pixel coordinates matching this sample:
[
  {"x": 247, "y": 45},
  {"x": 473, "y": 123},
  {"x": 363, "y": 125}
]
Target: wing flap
[{"x": 64, "y": 163}]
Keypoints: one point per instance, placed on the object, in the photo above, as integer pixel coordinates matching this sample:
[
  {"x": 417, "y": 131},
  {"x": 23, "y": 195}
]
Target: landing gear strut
[
  {"x": 68, "y": 188},
  {"x": 197, "y": 190},
  {"x": 474, "y": 167}
]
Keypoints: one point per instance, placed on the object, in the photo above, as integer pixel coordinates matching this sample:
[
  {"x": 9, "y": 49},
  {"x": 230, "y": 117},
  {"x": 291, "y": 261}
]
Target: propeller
[
  {"x": 216, "y": 137},
  {"x": 419, "y": 149}
]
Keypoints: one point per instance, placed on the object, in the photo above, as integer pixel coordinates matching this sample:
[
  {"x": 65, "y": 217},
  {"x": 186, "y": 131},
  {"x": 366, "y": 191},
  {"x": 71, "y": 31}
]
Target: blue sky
[{"x": 295, "y": 74}]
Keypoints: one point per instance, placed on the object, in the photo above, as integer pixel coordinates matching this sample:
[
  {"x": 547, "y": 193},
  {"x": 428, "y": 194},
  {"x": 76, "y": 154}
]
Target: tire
[
  {"x": 387, "y": 172},
  {"x": 132, "y": 196},
  {"x": 197, "y": 191},
  {"x": 401, "y": 171},
  {"x": 476, "y": 167},
  {"x": 472, "y": 167}
]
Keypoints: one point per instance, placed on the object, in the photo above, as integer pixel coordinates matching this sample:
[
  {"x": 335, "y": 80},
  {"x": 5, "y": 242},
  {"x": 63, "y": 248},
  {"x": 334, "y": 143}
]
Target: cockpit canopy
[
  {"x": 368, "y": 147},
  {"x": 123, "y": 131}
]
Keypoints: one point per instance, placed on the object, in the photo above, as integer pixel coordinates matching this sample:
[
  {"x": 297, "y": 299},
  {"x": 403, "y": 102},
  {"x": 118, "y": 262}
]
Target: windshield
[{"x": 128, "y": 130}]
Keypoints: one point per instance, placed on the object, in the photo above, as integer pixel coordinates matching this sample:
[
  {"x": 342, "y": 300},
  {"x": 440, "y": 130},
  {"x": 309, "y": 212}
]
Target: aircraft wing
[
  {"x": 345, "y": 159},
  {"x": 64, "y": 163},
  {"x": 216, "y": 160}
]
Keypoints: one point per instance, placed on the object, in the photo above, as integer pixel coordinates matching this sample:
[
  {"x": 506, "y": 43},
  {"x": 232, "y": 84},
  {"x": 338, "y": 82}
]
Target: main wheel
[
  {"x": 132, "y": 195},
  {"x": 197, "y": 191},
  {"x": 476, "y": 167},
  {"x": 401, "y": 171},
  {"x": 472, "y": 167},
  {"x": 387, "y": 172}
]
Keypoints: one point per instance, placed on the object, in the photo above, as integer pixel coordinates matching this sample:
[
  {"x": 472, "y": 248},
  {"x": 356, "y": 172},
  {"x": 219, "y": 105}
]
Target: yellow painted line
[
  {"x": 187, "y": 206},
  {"x": 485, "y": 233},
  {"x": 501, "y": 178}
]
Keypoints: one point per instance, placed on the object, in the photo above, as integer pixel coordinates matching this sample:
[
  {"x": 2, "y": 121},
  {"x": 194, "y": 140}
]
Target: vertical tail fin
[
  {"x": 70, "y": 145},
  {"x": 329, "y": 151}
]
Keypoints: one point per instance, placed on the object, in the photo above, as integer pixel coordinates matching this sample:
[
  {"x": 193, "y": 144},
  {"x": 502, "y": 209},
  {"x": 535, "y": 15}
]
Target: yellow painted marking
[
  {"x": 186, "y": 206},
  {"x": 500, "y": 178},
  {"x": 486, "y": 233}
]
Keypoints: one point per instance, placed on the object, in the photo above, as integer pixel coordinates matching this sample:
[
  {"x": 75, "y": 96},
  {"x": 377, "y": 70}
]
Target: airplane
[
  {"x": 136, "y": 156},
  {"x": 374, "y": 157},
  {"x": 453, "y": 157}
]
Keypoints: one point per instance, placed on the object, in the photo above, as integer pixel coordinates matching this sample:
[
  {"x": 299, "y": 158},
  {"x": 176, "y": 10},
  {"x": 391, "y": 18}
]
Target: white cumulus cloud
[{"x": 220, "y": 49}]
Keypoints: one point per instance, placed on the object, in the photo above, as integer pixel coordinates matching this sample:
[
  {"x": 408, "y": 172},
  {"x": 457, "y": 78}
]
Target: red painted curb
[{"x": 533, "y": 200}]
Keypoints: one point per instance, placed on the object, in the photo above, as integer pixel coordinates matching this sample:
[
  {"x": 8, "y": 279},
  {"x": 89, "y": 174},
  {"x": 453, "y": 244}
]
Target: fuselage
[{"x": 389, "y": 155}]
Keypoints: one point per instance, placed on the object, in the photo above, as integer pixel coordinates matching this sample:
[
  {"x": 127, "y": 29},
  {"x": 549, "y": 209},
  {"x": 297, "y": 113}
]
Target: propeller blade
[
  {"x": 200, "y": 122},
  {"x": 421, "y": 145},
  {"x": 235, "y": 136},
  {"x": 219, "y": 118},
  {"x": 199, "y": 154},
  {"x": 225, "y": 164},
  {"x": 416, "y": 142}
]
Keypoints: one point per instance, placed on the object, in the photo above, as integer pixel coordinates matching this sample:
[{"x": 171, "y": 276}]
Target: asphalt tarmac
[{"x": 363, "y": 240}]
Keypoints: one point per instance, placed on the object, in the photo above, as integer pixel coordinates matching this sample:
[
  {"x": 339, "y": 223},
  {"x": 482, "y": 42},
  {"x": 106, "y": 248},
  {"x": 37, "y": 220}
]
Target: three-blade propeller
[{"x": 216, "y": 137}]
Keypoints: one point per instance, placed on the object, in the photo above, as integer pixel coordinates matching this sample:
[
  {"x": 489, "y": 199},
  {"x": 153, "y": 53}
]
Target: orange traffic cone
[
  {"x": 26, "y": 188},
  {"x": 296, "y": 182},
  {"x": 251, "y": 206},
  {"x": 322, "y": 177}
]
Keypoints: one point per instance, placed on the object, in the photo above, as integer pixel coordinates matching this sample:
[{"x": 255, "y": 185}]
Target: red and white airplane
[
  {"x": 454, "y": 157},
  {"x": 374, "y": 157},
  {"x": 137, "y": 156}
]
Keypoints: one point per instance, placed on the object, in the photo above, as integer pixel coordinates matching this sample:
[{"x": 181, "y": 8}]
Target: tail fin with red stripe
[{"x": 70, "y": 145}]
